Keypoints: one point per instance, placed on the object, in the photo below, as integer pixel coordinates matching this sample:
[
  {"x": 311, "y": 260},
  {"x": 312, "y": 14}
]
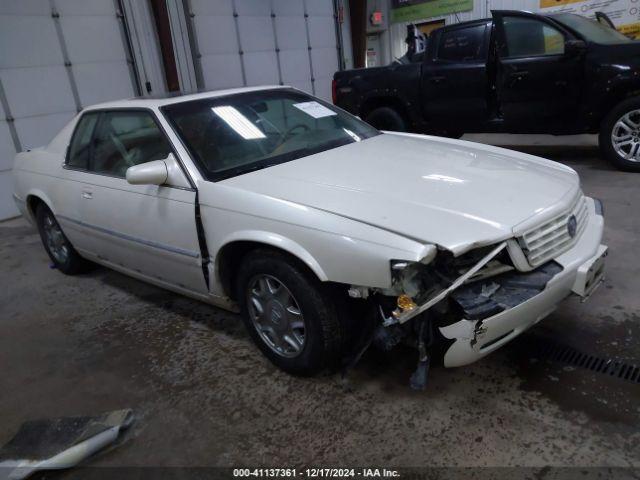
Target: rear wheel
[
  {"x": 386, "y": 118},
  {"x": 620, "y": 136},
  {"x": 289, "y": 314},
  {"x": 61, "y": 252}
]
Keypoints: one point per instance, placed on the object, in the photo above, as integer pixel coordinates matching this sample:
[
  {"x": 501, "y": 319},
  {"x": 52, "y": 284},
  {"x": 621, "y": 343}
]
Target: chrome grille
[{"x": 552, "y": 238}]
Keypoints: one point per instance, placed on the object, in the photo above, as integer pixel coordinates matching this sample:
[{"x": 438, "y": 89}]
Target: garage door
[
  {"x": 265, "y": 42},
  {"x": 56, "y": 57}
]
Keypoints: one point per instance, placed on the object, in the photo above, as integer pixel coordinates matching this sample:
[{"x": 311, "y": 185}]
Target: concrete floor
[{"x": 204, "y": 395}]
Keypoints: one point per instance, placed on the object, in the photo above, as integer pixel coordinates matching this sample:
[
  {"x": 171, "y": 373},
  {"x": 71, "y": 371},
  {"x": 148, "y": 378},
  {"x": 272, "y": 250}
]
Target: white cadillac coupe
[{"x": 325, "y": 233}]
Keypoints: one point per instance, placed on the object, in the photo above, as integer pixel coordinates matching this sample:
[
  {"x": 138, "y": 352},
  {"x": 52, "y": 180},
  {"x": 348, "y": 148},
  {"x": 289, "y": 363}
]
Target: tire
[
  {"x": 611, "y": 125},
  {"x": 386, "y": 118},
  {"x": 60, "y": 251},
  {"x": 321, "y": 333}
]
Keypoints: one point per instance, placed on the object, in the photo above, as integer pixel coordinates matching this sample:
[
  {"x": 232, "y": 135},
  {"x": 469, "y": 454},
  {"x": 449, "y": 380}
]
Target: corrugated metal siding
[{"x": 37, "y": 39}]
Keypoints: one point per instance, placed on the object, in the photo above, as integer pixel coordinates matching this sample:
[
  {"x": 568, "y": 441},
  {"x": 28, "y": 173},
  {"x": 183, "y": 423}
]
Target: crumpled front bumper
[{"x": 582, "y": 272}]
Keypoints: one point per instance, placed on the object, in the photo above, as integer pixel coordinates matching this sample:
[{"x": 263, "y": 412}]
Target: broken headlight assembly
[{"x": 420, "y": 285}]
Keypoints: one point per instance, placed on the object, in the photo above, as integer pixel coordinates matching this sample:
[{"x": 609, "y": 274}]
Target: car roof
[
  {"x": 171, "y": 98},
  {"x": 490, "y": 19}
]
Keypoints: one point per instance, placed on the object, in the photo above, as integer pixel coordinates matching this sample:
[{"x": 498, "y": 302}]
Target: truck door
[
  {"x": 538, "y": 74},
  {"x": 454, "y": 83}
]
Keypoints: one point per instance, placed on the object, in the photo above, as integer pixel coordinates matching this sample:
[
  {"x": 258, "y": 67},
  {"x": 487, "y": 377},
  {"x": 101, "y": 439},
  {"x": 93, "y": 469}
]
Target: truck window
[
  {"x": 528, "y": 37},
  {"x": 461, "y": 44}
]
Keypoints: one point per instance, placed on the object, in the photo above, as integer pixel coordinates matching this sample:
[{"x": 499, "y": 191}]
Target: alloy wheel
[
  {"x": 276, "y": 315},
  {"x": 625, "y": 136},
  {"x": 55, "y": 240}
]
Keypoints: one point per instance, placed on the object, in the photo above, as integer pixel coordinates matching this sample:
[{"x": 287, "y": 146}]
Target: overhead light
[{"x": 238, "y": 122}]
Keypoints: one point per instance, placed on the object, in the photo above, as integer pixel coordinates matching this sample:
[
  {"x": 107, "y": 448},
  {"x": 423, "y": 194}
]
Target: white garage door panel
[
  {"x": 261, "y": 36},
  {"x": 261, "y": 68},
  {"x": 24, "y": 7},
  {"x": 320, "y": 7},
  {"x": 253, "y": 7},
  {"x": 288, "y": 7},
  {"x": 93, "y": 38},
  {"x": 217, "y": 31},
  {"x": 38, "y": 131},
  {"x": 322, "y": 32},
  {"x": 221, "y": 71},
  {"x": 7, "y": 152},
  {"x": 86, "y": 7},
  {"x": 294, "y": 65},
  {"x": 102, "y": 82},
  {"x": 216, "y": 35},
  {"x": 291, "y": 32},
  {"x": 28, "y": 41},
  {"x": 325, "y": 63},
  {"x": 37, "y": 90},
  {"x": 209, "y": 7},
  {"x": 7, "y": 206},
  {"x": 323, "y": 88},
  {"x": 304, "y": 85}
]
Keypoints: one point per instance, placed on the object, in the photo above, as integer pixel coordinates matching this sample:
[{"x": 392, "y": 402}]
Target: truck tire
[
  {"x": 619, "y": 138},
  {"x": 289, "y": 314},
  {"x": 386, "y": 118},
  {"x": 58, "y": 247}
]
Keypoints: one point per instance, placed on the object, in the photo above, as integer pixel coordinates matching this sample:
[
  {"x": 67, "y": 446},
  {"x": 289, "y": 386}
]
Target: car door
[
  {"x": 68, "y": 189},
  {"x": 538, "y": 84},
  {"x": 148, "y": 230},
  {"x": 455, "y": 84}
]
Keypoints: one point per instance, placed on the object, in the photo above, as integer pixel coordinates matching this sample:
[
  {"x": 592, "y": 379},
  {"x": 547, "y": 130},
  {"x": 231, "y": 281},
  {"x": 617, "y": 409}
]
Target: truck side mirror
[{"x": 574, "y": 48}]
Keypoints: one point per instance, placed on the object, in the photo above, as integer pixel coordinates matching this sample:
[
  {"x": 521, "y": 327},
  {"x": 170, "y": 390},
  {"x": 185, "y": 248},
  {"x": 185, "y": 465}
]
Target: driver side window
[
  {"x": 124, "y": 139},
  {"x": 528, "y": 37}
]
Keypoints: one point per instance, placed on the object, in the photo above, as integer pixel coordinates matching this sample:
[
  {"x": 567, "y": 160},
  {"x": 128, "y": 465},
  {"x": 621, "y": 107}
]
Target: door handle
[
  {"x": 515, "y": 76},
  {"x": 437, "y": 79},
  {"x": 88, "y": 194}
]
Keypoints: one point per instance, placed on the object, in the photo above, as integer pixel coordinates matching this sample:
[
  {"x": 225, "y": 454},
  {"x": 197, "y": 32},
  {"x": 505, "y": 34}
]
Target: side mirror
[
  {"x": 158, "y": 172},
  {"x": 150, "y": 173},
  {"x": 574, "y": 47}
]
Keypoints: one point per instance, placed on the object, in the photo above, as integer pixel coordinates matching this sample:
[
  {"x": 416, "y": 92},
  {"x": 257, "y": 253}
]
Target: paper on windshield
[{"x": 314, "y": 109}]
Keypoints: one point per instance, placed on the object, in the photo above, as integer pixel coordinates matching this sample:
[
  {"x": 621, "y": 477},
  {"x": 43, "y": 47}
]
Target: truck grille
[{"x": 553, "y": 237}]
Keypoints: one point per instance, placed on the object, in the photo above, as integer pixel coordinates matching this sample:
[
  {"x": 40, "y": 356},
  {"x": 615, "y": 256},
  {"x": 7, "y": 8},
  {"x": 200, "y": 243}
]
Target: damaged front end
[{"x": 442, "y": 290}]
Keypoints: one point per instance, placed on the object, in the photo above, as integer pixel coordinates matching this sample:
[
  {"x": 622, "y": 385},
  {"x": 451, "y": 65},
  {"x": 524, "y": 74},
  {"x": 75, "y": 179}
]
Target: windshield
[
  {"x": 591, "y": 30},
  {"x": 236, "y": 134}
]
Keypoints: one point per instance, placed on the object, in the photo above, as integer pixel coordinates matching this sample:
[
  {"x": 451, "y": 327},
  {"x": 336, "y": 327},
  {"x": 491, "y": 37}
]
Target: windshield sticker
[{"x": 314, "y": 109}]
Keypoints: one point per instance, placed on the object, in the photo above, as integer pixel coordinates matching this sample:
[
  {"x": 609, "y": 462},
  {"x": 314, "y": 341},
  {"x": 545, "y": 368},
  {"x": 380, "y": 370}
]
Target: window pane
[
  {"x": 125, "y": 139},
  {"x": 231, "y": 135},
  {"x": 81, "y": 141},
  {"x": 461, "y": 44},
  {"x": 529, "y": 37}
]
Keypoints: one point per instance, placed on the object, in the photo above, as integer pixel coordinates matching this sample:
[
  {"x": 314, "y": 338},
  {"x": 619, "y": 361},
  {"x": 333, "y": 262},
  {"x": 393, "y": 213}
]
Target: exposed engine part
[
  {"x": 481, "y": 300},
  {"x": 418, "y": 380},
  {"x": 432, "y": 299},
  {"x": 386, "y": 338},
  {"x": 358, "y": 292}
]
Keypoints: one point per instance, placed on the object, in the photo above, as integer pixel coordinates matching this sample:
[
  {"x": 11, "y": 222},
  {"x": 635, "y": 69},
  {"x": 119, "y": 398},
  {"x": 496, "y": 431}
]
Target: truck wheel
[
  {"x": 289, "y": 313},
  {"x": 386, "y": 118},
  {"x": 61, "y": 252},
  {"x": 620, "y": 136}
]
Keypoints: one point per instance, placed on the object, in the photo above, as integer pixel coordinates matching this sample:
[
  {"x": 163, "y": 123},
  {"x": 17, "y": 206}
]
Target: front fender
[{"x": 278, "y": 241}]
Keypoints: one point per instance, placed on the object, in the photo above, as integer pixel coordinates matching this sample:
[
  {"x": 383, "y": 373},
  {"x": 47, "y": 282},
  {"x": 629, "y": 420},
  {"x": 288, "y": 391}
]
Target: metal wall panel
[
  {"x": 55, "y": 56},
  {"x": 265, "y": 42}
]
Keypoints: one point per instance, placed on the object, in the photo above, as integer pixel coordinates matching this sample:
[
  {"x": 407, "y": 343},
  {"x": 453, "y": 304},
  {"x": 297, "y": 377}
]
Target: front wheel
[
  {"x": 289, "y": 314},
  {"x": 620, "y": 136}
]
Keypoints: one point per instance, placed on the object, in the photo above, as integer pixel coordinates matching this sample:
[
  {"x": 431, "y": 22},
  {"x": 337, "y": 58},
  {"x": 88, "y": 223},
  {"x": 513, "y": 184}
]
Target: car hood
[{"x": 451, "y": 193}]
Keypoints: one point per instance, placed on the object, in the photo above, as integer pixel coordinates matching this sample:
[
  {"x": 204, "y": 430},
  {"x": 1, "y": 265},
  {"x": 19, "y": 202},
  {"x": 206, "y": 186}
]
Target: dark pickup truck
[{"x": 517, "y": 72}]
